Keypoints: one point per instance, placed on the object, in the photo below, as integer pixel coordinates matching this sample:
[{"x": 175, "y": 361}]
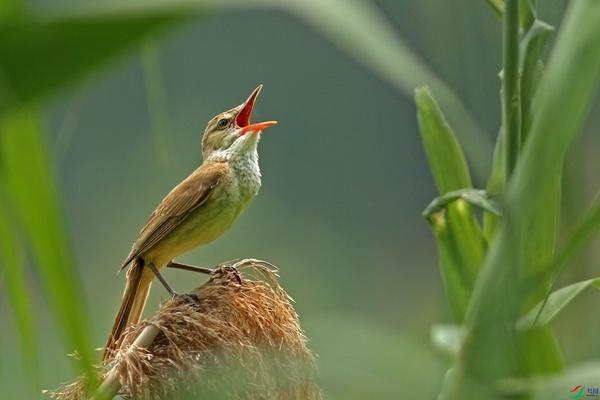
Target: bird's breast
[{"x": 215, "y": 216}]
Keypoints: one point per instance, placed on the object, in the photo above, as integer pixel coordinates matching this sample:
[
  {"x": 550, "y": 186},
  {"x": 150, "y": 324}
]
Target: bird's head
[{"x": 232, "y": 133}]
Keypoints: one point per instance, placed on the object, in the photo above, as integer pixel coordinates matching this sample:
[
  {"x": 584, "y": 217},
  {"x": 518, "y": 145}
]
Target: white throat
[{"x": 244, "y": 147}]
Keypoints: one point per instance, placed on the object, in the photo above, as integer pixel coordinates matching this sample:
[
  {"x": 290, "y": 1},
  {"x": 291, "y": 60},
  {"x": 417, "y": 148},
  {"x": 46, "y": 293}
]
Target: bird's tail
[{"x": 139, "y": 280}]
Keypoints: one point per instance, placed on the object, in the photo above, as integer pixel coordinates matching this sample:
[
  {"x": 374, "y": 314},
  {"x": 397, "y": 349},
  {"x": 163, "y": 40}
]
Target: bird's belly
[{"x": 203, "y": 226}]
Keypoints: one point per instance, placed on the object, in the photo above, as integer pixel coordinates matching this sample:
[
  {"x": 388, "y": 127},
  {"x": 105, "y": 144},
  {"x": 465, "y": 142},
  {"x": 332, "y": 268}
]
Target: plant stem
[
  {"x": 510, "y": 86},
  {"x": 111, "y": 385}
]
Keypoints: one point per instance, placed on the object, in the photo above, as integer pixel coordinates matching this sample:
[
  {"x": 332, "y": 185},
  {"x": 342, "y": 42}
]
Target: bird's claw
[{"x": 185, "y": 297}]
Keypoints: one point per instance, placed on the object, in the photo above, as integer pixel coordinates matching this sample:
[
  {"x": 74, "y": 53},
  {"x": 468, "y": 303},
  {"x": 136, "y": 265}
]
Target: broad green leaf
[
  {"x": 14, "y": 279},
  {"x": 474, "y": 197},
  {"x": 579, "y": 235},
  {"x": 539, "y": 352},
  {"x": 446, "y": 160},
  {"x": 29, "y": 184},
  {"x": 571, "y": 73},
  {"x": 555, "y": 303},
  {"x": 461, "y": 247},
  {"x": 359, "y": 28},
  {"x": 538, "y": 348},
  {"x": 39, "y": 55},
  {"x": 584, "y": 230}
]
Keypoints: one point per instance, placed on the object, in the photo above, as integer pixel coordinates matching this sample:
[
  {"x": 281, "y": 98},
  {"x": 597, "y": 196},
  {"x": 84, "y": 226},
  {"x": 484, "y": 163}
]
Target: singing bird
[{"x": 197, "y": 211}]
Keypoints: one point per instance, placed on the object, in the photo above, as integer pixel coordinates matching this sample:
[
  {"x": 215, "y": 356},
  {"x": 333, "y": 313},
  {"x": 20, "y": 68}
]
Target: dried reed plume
[{"x": 238, "y": 337}]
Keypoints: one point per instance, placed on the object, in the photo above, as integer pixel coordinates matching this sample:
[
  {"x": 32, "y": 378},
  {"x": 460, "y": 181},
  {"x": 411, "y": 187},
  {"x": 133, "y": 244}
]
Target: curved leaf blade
[
  {"x": 30, "y": 188},
  {"x": 556, "y": 302},
  {"x": 476, "y": 197}
]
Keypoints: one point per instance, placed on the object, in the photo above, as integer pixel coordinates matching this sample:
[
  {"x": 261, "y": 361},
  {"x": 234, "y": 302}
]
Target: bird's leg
[
  {"x": 187, "y": 267},
  {"x": 161, "y": 279},
  {"x": 189, "y": 297}
]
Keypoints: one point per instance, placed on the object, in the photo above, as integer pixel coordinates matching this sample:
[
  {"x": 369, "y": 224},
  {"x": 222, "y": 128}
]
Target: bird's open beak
[{"x": 243, "y": 118}]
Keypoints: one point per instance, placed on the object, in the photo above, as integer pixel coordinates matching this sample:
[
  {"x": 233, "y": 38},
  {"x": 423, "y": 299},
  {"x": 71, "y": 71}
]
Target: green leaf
[
  {"x": 458, "y": 281},
  {"x": 555, "y": 303},
  {"x": 42, "y": 55},
  {"x": 538, "y": 348},
  {"x": 584, "y": 230},
  {"x": 541, "y": 239},
  {"x": 495, "y": 185},
  {"x": 531, "y": 67},
  {"x": 539, "y": 352},
  {"x": 475, "y": 197},
  {"x": 446, "y": 160},
  {"x": 572, "y": 73},
  {"x": 29, "y": 184},
  {"x": 17, "y": 288},
  {"x": 460, "y": 244},
  {"x": 527, "y": 14}
]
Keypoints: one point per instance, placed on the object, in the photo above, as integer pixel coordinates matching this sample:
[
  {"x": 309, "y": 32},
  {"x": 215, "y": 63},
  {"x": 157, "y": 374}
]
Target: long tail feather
[{"x": 136, "y": 292}]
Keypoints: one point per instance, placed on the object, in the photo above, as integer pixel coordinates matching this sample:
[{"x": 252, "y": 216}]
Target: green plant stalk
[
  {"x": 572, "y": 73},
  {"x": 511, "y": 109}
]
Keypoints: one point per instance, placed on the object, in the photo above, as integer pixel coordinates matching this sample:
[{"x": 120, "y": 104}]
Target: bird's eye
[{"x": 222, "y": 123}]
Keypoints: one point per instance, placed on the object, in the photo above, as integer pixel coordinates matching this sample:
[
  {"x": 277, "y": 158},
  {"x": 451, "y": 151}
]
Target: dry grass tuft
[{"x": 237, "y": 338}]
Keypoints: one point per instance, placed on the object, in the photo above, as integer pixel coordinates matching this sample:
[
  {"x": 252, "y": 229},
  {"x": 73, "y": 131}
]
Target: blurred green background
[{"x": 344, "y": 182}]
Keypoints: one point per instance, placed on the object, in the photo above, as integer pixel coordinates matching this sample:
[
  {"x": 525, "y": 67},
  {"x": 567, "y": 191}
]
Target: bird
[{"x": 196, "y": 211}]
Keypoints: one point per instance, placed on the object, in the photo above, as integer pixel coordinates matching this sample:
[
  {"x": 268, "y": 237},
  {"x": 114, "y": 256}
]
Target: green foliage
[
  {"x": 475, "y": 197},
  {"x": 44, "y": 54},
  {"x": 16, "y": 287},
  {"x": 28, "y": 182},
  {"x": 546, "y": 311},
  {"x": 460, "y": 243},
  {"x": 538, "y": 128},
  {"x": 502, "y": 336}
]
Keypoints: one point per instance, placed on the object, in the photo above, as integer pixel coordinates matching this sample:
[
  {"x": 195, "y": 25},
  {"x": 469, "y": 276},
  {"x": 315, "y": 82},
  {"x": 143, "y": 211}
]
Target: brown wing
[{"x": 177, "y": 205}]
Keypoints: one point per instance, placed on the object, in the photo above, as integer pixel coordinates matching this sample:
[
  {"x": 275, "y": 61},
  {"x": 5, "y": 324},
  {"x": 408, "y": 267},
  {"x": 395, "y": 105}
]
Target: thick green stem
[{"x": 510, "y": 86}]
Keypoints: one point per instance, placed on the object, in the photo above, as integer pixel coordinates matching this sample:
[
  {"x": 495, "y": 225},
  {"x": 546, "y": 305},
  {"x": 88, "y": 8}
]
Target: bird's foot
[{"x": 185, "y": 297}]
